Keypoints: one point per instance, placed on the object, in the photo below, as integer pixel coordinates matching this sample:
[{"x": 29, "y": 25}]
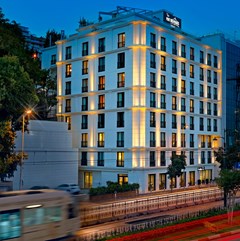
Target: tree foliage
[{"x": 51, "y": 37}]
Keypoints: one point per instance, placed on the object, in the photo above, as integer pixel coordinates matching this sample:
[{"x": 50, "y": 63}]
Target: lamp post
[{"x": 27, "y": 112}]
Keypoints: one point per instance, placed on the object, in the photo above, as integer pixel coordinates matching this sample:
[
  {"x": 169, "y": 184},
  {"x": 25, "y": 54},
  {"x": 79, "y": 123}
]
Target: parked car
[{"x": 72, "y": 188}]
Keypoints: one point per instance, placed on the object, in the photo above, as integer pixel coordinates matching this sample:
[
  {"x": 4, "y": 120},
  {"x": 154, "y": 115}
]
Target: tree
[
  {"x": 175, "y": 169},
  {"x": 229, "y": 181},
  {"x": 52, "y": 37}
]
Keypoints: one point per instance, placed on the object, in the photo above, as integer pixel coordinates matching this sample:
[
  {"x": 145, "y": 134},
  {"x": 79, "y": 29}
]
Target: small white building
[{"x": 51, "y": 158}]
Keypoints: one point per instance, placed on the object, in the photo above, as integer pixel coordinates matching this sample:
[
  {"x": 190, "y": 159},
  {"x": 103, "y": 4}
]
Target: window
[
  {"x": 191, "y": 157},
  {"x": 121, "y": 80},
  {"x": 101, "y": 64},
  {"x": 174, "y": 103},
  {"x": 53, "y": 59},
  {"x": 191, "y": 88},
  {"x": 163, "y": 44},
  {"x": 215, "y": 61},
  {"x": 174, "y": 66},
  {"x": 191, "y": 140},
  {"x": 183, "y": 140},
  {"x": 191, "y": 107},
  {"x": 215, "y": 78},
  {"x": 174, "y": 139},
  {"x": 202, "y": 157},
  {"x": 153, "y": 40},
  {"x": 201, "y": 57},
  {"x": 101, "y": 102},
  {"x": 84, "y": 103},
  {"x": 84, "y": 159},
  {"x": 209, "y": 61},
  {"x": 174, "y": 121},
  {"x": 209, "y": 142},
  {"x": 152, "y": 159},
  {"x": 68, "y": 71},
  {"x": 191, "y": 53},
  {"x": 183, "y": 86},
  {"x": 85, "y": 49},
  {"x": 183, "y": 50},
  {"x": 209, "y": 95},
  {"x": 84, "y": 142},
  {"x": 201, "y": 93},
  {"x": 203, "y": 141},
  {"x": 152, "y": 60},
  {"x": 174, "y": 47},
  {"x": 101, "y": 120},
  {"x": 152, "y": 99},
  {"x": 201, "y": 124},
  {"x": 84, "y": 121},
  {"x": 84, "y": 85},
  {"x": 68, "y": 54},
  {"x": 121, "y": 60},
  {"x": 68, "y": 88},
  {"x": 85, "y": 67},
  {"x": 209, "y": 109},
  {"x": 101, "y": 83},
  {"x": 152, "y": 139},
  {"x": 183, "y": 104},
  {"x": 122, "y": 179},
  {"x": 68, "y": 120},
  {"x": 201, "y": 74},
  {"x": 209, "y": 124},
  {"x": 209, "y": 76},
  {"x": 163, "y": 63},
  {"x": 120, "y": 139},
  {"x": 120, "y": 119},
  {"x": 183, "y": 122},
  {"x": 163, "y": 101},
  {"x": 100, "y": 139},
  {"x": 153, "y": 80},
  {"x": 163, "y": 158},
  {"x": 215, "y": 109},
  {"x": 209, "y": 160},
  {"x": 191, "y": 71},
  {"x": 68, "y": 105},
  {"x": 201, "y": 107},
  {"x": 120, "y": 159},
  {"x": 120, "y": 99},
  {"x": 100, "y": 160},
  {"x": 174, "y": 84},
  {"x": 215, "y": 125},
  {"x": 101, "y": 45},
  {"x": 183, "y": 69},
  {"x": 215, "y": 96},
  {"x": 152, "y": 119},
  {"x": 88, "y": 179},
  {"x": 191, "y": 120},
  {"x": 121, "y": 40},
  {"x": 163, "y": 139},
  {"x": 163, "y": 120}
]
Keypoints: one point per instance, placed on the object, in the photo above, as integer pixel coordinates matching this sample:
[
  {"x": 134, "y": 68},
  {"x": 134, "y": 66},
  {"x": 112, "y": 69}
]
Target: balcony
[
  {"x": 100, "y": 143},
  {"x": 120, "y": 143},
  {"x": 84, "y": 143},
  {"x": 120, "y": 123},
  {"x": 85, "y": 71},
  {"x": 121, "y": 44},
  {"x": 84, "y": 125},
  {"x": 101, "y": 106},
  {"x": 152, "y": 143}
]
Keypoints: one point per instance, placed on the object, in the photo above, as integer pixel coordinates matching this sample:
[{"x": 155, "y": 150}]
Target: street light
[{"x": 27, "y": 112}]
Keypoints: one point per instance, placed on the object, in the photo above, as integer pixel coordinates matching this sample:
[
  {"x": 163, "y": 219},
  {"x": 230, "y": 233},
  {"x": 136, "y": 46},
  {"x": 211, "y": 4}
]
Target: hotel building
[{"x": 135, "y": 90}]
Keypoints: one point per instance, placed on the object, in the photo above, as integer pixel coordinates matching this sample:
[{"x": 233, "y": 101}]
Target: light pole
[{"x": 27, "y": 112}]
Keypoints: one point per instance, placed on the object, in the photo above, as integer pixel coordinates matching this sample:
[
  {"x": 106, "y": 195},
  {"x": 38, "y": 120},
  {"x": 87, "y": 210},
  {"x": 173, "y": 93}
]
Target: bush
[{"x": 113, "y": 187}]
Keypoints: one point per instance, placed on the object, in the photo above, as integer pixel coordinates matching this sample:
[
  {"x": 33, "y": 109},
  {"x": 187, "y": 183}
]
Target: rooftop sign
[{"x": 173, "y": 20}]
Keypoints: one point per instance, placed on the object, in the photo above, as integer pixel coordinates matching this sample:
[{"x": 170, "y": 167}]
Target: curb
[{"x": 217, "y": 236}]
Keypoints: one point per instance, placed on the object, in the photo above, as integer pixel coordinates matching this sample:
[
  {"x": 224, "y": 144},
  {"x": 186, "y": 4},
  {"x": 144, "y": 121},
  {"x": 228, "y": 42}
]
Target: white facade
[
  {"x": 51, "y": 158},
  {"x": 121, "y": 120}
]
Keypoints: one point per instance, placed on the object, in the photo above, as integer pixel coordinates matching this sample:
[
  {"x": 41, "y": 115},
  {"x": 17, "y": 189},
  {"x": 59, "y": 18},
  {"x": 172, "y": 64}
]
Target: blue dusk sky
[{"x": 199, "y": 17}]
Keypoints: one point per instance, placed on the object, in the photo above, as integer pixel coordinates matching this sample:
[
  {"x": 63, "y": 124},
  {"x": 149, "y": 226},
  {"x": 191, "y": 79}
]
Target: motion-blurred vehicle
[
  {"x": 39, "y": 187},
  {"x": 72, "y": 188}
]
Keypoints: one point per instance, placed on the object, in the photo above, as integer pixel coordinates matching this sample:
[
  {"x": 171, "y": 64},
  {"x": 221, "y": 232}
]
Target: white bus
[{"x": 37, "y": 215}]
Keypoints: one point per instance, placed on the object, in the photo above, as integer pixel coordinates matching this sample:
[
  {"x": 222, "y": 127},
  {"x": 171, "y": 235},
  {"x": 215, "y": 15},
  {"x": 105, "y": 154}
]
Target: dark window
[
  {"x": 174, "y": 84},
  {"x": 152, "y": 139},
  {"x": 163, "y": 139},
  {"x": 68, "y": 53},
  {"x": 163, "y": 82},
  {"x": 120, "y": 99},
  {"x": 191, "y": 53},
  {"x": 174, "y": 47},
  {"x": 152, "y": 99},
  {"x": 85, "y": 49},
  {"x": 101, "y": 120},
  {"x": 101, "y": 64},
  {"x": 68, "y": 105},
  {"x": 84, "y": 121},
  {"x": 163, "y": 120},
  {"x": 174, "y": 66},
  {"x": 153, "y": 80},
  {"x": 174, "y": 140},
  {"x": 100, "y": 161},
  {"x": 120, "y": 119},
  {"x": 84, "y": 159},
  {"x": 183, "y": 50},
  {"x": 121, "y": 60},
  {"x": 174, "y": 121},
  {"x": 201, "y": 74},
  {"x": 191, "y": 156},
  {"x": 152, "y": 60},
  {"x": 84, "y": 85},
  {"x": 209, "y": 59},
  {"x": 163, "y": 44},
  {"x": 84, "y": 103},
  {"x": 163, "y": 158},
  {"x": 53, "y": 59},
  {"x": 120, "y": 139},
  {"x": 152, "y": 119},
  {"x": 215, "y": 61},
  {"x": 68, "y": 88},
  {"x": 153, "y": 40},
  {"x": 101, "y": 45},
  {"x": 152, "y": 159},
  {"x": 201, "y": 57}
]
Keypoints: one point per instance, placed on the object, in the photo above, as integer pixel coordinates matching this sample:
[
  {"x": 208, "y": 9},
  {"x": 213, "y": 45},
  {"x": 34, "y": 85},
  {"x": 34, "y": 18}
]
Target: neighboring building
[
  {"x": 231, "y": 83},
  {"x": 51, "y": 159},
  {"x": 135, "y": 90}
]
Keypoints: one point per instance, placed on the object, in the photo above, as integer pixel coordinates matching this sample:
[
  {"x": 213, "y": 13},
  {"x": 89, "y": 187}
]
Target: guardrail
[{"x": 130, "y": 208}]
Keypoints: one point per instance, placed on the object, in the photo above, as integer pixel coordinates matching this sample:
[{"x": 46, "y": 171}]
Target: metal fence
[{"x": 130, "y": 208}]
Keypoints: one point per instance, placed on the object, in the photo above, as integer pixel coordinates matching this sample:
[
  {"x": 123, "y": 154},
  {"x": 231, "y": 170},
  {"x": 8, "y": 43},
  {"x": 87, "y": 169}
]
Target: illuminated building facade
[{"x": 135, "y": 90}]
